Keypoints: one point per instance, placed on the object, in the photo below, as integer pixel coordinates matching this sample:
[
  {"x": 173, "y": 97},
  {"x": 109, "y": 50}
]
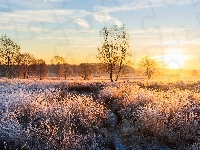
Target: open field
[{"x": 131, "y": 114}]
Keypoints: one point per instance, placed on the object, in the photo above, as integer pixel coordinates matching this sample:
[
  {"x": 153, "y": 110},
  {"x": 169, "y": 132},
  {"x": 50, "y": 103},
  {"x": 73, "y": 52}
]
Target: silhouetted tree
[
  {"x": 57, "y": 62},
  {"x": 2, "y": 70},
  {"x": 26, "y": 65},
  {"x": 8, "y": 51},
  {"x": 84, "y": 70},
  {"x": 149, "y": 65},
  {"x": 18, "y": 60},
  {"x": 68, "y": 72},
  {"x": 115, "y": 50},
  {"x": 41, "y": 69}
]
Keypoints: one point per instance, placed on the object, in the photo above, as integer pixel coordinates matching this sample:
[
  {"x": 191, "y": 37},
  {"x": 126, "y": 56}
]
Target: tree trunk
[
  {"x": 8, "y": 68},
  {"x": 148, "y": 73},
  {"x": 28, "y": 72},
  {"x": 24, "y": 75},
  {"x": 120, "y": 67},
  {"x": 85, "y": 76},
  {"x": 111, "y": 72},
  {"x": 18, "y": 71},
  {"x": 149, "y": 76}
]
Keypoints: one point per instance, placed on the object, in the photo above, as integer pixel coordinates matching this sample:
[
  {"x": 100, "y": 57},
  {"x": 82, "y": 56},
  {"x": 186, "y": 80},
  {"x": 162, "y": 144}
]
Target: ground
[{"x": 77, "y": 114}]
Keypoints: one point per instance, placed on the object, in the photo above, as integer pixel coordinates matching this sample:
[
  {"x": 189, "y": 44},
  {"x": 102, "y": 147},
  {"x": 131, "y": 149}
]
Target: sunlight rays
[{"x": 173, "y": 58}]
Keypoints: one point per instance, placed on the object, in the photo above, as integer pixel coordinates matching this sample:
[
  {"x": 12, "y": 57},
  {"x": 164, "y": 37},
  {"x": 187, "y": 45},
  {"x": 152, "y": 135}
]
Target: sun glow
[{"x": 174, "y": 59}]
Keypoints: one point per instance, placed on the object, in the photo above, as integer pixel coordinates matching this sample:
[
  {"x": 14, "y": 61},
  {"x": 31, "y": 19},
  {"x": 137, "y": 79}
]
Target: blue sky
[{"x": 161, "y": 29}]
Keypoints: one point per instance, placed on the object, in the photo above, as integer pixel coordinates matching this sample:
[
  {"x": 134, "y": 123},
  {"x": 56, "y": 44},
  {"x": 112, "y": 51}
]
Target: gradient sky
[{"x": 167, "y": 30}]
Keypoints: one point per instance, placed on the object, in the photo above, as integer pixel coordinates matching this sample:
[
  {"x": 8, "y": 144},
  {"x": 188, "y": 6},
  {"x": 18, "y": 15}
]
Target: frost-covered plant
[
  {"x": 172, "y": 115},
  {"x": 125, "y": 99},
  {"x": 172, "y": 118},
  {"x": 67, "y": 115},
  {"x": 45, "y": 120}
]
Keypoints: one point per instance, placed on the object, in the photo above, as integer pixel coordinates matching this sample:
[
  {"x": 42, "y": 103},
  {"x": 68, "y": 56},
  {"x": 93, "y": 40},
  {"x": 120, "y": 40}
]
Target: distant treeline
[{"x": 43, "y": 70}]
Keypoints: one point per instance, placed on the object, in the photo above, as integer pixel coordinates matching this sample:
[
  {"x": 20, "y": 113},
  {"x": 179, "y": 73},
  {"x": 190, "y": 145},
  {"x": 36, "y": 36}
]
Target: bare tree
[
  {"x": 2, "y": 70},
  {"x": 149, "y": 65},
  {"x": 57, "y": 62},
  {"x": 67, "y": 71},
  {"x": 41, "y": 69},
  {"x": 84, "y": 70},
  {"x": 8, "y": 51},
  {"x": 26, "y": 62},
  {"x": 18, "y": 60},
  {"x": 115, "y": 50}
]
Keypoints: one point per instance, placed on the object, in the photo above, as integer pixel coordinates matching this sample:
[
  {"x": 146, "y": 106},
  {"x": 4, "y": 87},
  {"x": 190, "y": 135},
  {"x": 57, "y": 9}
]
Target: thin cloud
[
  {"x": 106, "y": 18},
  {"x": 81, "y": 22},
  {"x": 126, "y": 7},
  {"x": 23, "y": 16},
  {"x": 137, "y": 5},
  {"x": 100, "y": 14},
  {"x": 22, "y": 21},
  {"x": 162, "y": 30}
]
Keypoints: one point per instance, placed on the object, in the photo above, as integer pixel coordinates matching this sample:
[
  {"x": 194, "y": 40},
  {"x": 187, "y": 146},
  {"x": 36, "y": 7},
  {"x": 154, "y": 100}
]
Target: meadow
[{"x": 132, "y": 114}]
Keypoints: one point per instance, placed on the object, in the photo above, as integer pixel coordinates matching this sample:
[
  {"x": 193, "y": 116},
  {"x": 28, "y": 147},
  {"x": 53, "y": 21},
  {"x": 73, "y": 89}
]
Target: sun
[{"x": 174, "y": 59}]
